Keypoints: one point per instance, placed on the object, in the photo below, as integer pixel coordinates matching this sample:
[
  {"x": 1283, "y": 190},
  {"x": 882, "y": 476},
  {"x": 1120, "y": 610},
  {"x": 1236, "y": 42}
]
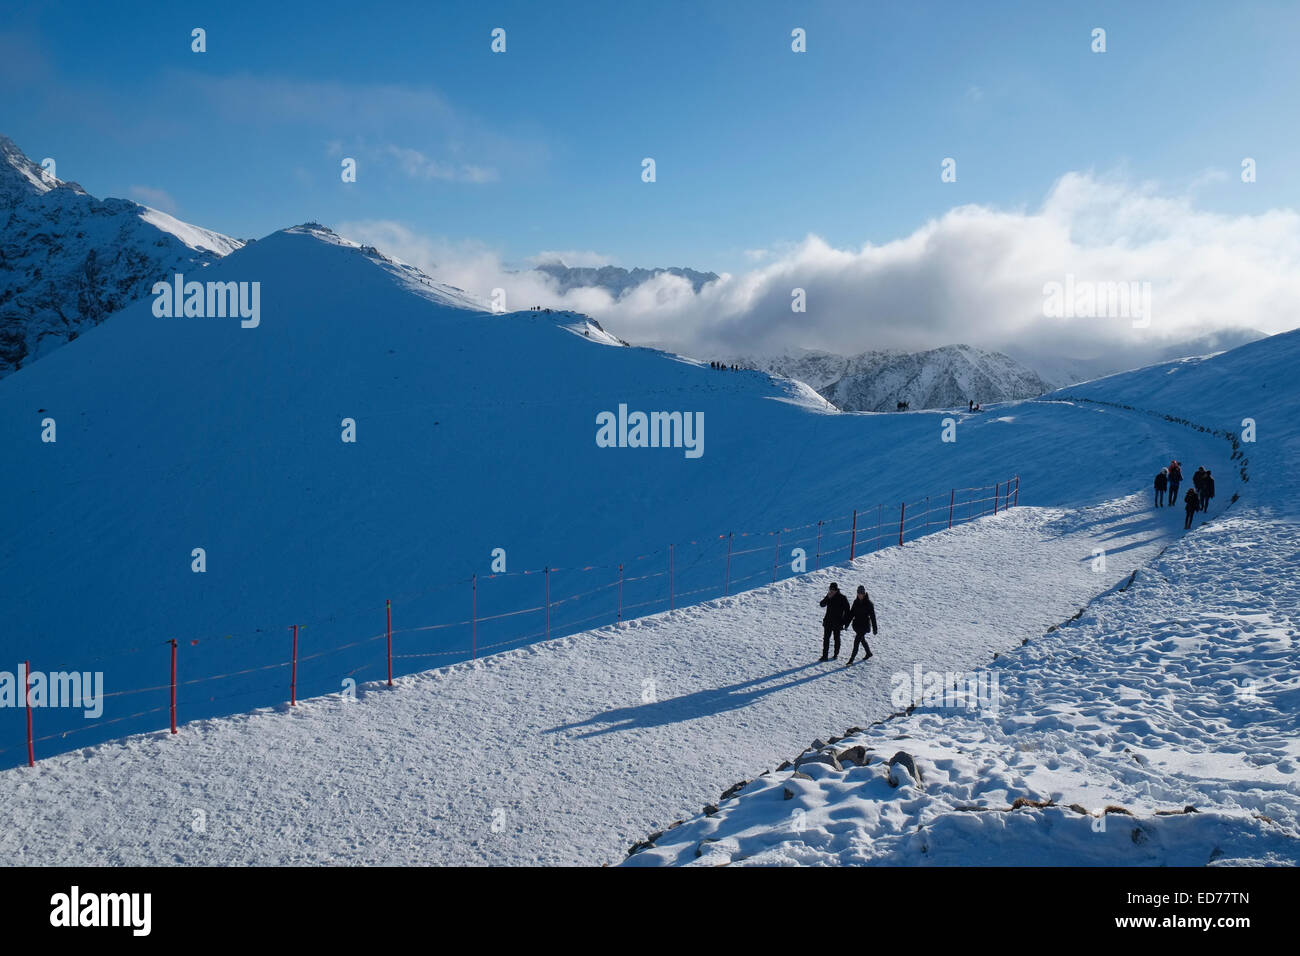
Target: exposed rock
[{"x": 902, "y": 762}]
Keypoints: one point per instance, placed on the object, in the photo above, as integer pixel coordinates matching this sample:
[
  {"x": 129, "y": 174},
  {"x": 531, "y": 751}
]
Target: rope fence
[{"x": 629, "y": 590}]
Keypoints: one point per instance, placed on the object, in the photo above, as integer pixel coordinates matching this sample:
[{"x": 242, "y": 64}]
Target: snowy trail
[
  {"x": 569, "y": 751},
  {"x": 1181, "y": 691}
]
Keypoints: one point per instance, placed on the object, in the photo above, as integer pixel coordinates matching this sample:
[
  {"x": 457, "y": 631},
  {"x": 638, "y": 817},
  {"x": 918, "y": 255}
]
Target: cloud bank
[{"x": 976, "y": 275}]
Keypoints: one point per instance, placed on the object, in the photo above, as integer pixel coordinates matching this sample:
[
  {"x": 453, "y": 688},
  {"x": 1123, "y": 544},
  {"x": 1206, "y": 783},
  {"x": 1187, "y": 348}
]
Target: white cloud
[
  {"x": 419, "y": 166},
  {"x": 974, "y": 275},
  {"x": 157, "y": 198}
]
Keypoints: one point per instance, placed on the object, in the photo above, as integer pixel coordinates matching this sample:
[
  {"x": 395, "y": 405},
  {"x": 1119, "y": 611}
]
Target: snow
[
  {"x": 476, "y": 432},
  {"x": 1178, "y": 691},
  {"x": 559, "y": 736},
  {"x": 71, "y": 260},
  {"x": 176, "y": 434},
  {"x": 946, "y": 377}
]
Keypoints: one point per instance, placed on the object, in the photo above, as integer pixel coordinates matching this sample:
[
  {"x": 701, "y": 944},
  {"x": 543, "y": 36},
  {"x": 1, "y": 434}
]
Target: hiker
[
  {"x": 1162, "y": 482},
  {"x": 1207, "y": 490},
  {"x": 1191, "y": 502},
  {"x": 862, "y": 616},
  {"x": 1197, "y": 479},
  {"x": 970, "y": 405},
  {"x": 1175, "y": 479},
  {"x": 837, "y": 610}
]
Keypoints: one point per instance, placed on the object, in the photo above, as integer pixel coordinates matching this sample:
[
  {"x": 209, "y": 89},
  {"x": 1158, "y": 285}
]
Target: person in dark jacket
[
  {"x": 862, "y": 616},
  {"x": 1191, "y": 502},
  {"x": 1197, "y": 479},
  {"x": 1207, "y": 490},
  {"x": 1175, "y": 479},
  {"x": 837, "y": 613},
  {"x": 1162, "y": 482}
]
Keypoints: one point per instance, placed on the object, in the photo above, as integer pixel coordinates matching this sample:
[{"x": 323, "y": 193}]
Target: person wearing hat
[
  {"x": 837, "y": 612},
  {"x": 862, "y": 615}
]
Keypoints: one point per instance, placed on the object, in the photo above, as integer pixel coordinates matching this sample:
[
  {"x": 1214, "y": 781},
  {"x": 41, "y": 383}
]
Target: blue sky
[{"x": 540, "y": 148}]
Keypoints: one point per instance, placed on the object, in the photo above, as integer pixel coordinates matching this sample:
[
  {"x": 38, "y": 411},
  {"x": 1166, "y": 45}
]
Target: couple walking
[{"x": 861, "y": 615}]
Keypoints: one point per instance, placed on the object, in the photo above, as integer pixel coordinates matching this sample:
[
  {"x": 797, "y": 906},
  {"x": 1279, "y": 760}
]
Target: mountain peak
[{"x": 20, "y": 178}]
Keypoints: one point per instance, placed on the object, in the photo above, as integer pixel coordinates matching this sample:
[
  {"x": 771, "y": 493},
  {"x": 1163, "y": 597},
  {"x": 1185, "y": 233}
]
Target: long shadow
[
  {"x": 1145, "y": 523},
  {"x": 1141, "y": 542},
  {"x": 702, "y": 703}
]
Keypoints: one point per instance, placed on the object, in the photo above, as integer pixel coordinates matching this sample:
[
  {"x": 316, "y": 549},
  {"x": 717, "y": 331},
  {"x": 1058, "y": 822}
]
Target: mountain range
[{"x": 69, "y": 260}]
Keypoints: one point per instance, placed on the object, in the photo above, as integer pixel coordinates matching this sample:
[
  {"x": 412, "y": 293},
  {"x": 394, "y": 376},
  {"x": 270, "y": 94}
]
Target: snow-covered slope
[
  {"x": 69, "y": 260},
  {"x": 1063, "y": 370},
  {"x": 877, "y": 381},
  {"x": 1160, "y": 727},
  {"x": 474, "y": 432}
]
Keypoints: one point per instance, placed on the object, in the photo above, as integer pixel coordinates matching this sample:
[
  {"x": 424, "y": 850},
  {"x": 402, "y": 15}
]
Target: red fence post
[
  {"x": 726, "y": 586},
  {"x": 902, "y": 515},
  {"x": 172, "y": 642},
  {"x": 817, "y": 562},
  {"x": 388, "y": 607},
  {"x": 997, "y": 492},
  {"x": 671, "y": 605},
  {"x": 27, "y": 699},
  {"x": 776, "y": 556},
  {"x": 548, "y": 602},
  {"x": 620, "y": 595},
  {"x": 952, "y": 498},
  {"x": 473, "y": 617},
  {"x": 293, "y": 671},
  {"x": 853, "y": 536}
]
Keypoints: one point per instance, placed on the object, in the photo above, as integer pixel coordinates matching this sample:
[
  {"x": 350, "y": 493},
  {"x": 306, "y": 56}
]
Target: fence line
[{"x": 915, "y": 519}]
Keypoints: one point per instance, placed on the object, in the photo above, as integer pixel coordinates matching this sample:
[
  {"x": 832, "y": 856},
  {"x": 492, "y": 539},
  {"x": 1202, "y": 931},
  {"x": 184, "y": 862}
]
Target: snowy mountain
[
  {"x": 1173, "y": 687},
  {"x": 877, "y": 381},
  {"x": 69, "y": 260},
  {"x": 1156, "y": 726},
  {"x": 614, "y": 279},
  {"x": 1063, "y": 370}
]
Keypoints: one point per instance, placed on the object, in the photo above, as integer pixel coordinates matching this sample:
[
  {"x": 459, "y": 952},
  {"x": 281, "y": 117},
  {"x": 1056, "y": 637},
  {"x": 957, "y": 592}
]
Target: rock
[
  {"x": 785, "y": 765},
  {"x": 799, "y": 775},
  {"x": 710, "y": 809},
  {"x": 901, "y": 763},
  {"x": 854, "y": 755},
  {"x": 734, "y": 789},
  {"x": 1036, "y": 804},
  {"x": 820, "y": 756},
  {"x": 852, "y": 730}
]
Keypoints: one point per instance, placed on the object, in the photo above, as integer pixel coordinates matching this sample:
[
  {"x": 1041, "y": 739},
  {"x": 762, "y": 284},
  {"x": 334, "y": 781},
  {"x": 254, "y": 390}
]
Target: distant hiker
[
  {"x": 1175, "y": 479},
  {"x": 862, "y": 615},
  {"x": 1191, "y": 502},
  {"x": 837, "y": 611},
  {"x": 1162, "y": 482},
  {"x": 1207, "y": 490},
  {"x": 1198, "y": 478},
  {"x": 970, "y": 405},
  {"x": 977, "y": 407}
]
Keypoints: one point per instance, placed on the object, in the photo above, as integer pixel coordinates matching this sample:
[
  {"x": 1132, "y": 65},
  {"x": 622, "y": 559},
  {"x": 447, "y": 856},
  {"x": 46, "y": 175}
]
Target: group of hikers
[
  {"x": 1197, "y": 497},
  {"x": 971, "y": 406},
  {"x": 860, "y": 615},
  {"x": 724, "y": 366}
]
